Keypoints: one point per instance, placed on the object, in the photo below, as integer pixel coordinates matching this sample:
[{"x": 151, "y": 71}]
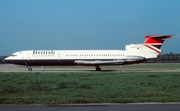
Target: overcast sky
[{"x": 86, "y": 24}]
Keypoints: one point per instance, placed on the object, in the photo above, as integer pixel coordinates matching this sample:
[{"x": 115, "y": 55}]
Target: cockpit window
[{"x": 13, "y": 55}]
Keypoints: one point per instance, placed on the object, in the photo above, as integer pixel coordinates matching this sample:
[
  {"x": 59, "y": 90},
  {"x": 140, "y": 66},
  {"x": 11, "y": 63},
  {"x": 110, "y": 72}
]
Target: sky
[{"x": 86, "y": 24}]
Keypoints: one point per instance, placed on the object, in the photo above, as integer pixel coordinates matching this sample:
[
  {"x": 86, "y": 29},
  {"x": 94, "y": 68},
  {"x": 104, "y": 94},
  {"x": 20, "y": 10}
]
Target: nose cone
[{"x": 6, "y": 59}]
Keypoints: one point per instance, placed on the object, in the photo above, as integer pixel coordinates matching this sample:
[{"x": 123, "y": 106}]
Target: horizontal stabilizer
[
  {"x": 156, "y": 39},
  {"x": 159, "y": 36}
]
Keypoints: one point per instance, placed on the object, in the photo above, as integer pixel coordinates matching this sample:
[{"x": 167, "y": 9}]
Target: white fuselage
[
  {"x": 76, "y": 54},
  {"x": 133, "y": 53},
  {"x": 75, "y": 57}
]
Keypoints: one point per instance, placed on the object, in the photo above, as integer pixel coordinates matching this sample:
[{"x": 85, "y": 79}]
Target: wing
[
  {"x": 98, "y": 62},
  {"x": 109, "y": 62}
]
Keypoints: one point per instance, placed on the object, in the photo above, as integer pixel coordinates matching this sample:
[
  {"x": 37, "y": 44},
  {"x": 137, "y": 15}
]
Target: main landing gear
[
  {"x": 98, "y": 68},
  {"x": 29, "y": 68}
]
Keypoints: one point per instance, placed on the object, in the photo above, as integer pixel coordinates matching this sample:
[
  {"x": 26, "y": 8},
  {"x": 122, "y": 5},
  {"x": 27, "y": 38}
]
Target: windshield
[{"x": 13, "y": 55}]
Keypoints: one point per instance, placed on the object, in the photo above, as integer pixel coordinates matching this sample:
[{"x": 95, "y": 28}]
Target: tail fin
[{"x": 154, "y": 42}]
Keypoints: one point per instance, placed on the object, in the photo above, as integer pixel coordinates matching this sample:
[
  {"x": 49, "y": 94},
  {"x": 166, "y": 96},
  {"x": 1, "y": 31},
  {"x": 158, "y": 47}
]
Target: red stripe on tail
[{"x": 155, "y": 38}]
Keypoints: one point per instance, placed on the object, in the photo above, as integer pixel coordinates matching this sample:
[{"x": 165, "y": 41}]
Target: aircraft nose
[{"x": 6, "y": 59}]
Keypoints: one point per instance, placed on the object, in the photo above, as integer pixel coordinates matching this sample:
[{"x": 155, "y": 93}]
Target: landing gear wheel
[
  {"x": 29, "y": 68},
  {"x": 98, "y": 68}
]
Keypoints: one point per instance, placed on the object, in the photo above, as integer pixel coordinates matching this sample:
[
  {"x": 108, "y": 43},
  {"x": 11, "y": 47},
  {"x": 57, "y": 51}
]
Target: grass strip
[{"x": 88, "y": 87}]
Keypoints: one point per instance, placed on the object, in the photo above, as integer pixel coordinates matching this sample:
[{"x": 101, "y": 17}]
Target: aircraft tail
[
  {"x": 154, "y": 42},
  {"x": 150, "y": 48}
]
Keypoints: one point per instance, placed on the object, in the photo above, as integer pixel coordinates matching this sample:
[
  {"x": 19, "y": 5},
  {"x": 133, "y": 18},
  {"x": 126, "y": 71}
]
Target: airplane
[{"x": 133, "y": 54}]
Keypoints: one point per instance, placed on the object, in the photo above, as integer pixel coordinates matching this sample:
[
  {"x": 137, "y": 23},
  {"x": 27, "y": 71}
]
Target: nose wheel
[{"x": 29, "y": 68}]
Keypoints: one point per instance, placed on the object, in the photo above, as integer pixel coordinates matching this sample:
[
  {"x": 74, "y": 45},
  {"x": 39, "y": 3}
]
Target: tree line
[
  {"x": 167, "y": 58},
  {"x": 162, "y": 58}
]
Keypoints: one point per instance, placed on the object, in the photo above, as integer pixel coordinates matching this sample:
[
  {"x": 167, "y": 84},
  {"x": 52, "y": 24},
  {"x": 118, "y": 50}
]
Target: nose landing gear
[{"x": 29, "y": 68}]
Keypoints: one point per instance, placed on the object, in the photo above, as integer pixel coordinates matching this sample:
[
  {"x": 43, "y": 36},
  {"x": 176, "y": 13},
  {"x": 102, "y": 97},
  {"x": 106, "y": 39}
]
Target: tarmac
[{"x": 93, "y": 107}]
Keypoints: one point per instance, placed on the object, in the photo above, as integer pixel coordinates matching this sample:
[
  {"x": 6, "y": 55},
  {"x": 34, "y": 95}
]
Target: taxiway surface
[{"x": 95, "y": 107}]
